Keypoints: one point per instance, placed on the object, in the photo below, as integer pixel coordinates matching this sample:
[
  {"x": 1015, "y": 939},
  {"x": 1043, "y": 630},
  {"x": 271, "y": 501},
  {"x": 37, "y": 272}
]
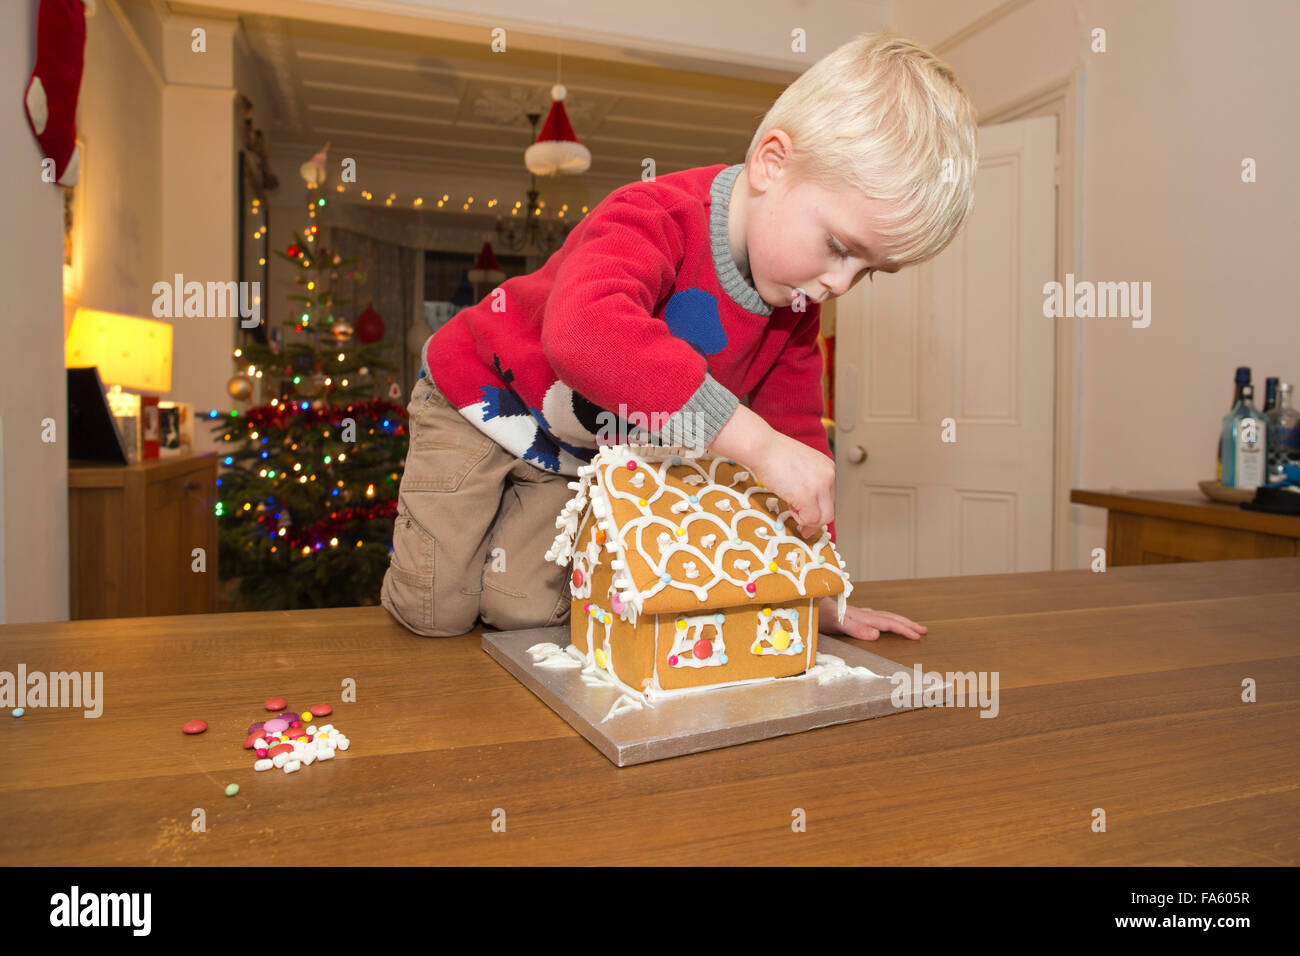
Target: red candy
[
  {"x": 577, "y": 578},
  {"x": 248, "y": 744},
  {"x": 631, "y": 466},
  {"x": 751, "y": 588},
  {"x": 672, "y": 660},
  {"x": 195, "y": 727},
  {"x": 322, "y": 710},
  {"x": 295, "y": 725},
  {"x": 703, "y": 649},
  {"x": 261, "y": 752},
  {"x": 277, "y": 703},
  {"x": 280, "y": 749}
]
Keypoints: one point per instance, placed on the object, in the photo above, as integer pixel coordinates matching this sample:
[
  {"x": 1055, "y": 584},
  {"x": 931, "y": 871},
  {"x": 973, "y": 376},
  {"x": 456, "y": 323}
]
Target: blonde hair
[{"x": 885, "y": 116}]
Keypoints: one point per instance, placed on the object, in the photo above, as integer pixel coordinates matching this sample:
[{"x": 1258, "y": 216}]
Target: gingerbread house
[{"x": 686, "y": 572}]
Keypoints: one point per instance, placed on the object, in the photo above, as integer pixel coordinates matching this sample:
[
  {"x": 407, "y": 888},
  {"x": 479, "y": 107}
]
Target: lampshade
[{"x": 130, "y": 352}]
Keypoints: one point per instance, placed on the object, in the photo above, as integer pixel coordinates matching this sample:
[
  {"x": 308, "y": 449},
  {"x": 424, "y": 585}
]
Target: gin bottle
[
  {"x": 1242, "y": 378},
  {"x": 1283, "y": 435},
  {"x": 1244, "y": 443}
]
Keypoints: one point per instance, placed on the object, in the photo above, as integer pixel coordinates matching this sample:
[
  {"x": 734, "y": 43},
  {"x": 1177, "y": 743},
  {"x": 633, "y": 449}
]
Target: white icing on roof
[{"x": 595, "y": 488}]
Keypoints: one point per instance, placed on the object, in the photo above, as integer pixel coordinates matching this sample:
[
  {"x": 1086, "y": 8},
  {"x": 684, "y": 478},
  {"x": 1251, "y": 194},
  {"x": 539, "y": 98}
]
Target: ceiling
[{"x": 429, "y": 106}]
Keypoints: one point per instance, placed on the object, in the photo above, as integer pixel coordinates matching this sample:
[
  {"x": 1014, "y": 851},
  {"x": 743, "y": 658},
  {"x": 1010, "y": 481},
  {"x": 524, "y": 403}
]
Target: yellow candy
[
  {"x": 772, "y": 566},
  {"x": 780, "y": 640},
  {"x": 642, "y": 502},
  {"x": 600, "y": 657},
  {"x": 767, "y": 612},
  {"x": 606, "y": 619},
  {"x": 680, "y": 532},
  {"x": 681, "y": 625}
]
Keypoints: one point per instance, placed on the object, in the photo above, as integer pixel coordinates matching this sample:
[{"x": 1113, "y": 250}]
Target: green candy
[{"x": 232, "y": 789}]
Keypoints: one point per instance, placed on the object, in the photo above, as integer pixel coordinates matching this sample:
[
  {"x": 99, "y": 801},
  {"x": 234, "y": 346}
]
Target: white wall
[
  {"x": 34, "y": 484},
  {"x": 120, "y": 119},
  {"x": 1187, "y": 90}
]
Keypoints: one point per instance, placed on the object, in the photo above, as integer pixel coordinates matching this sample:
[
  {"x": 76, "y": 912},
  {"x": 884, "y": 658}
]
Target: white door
[{"x": 960, "y": 338}]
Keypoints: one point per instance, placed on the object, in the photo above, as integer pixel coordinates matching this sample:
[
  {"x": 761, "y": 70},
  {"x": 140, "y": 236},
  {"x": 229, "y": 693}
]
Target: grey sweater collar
[{"x": 733, "y": 283}]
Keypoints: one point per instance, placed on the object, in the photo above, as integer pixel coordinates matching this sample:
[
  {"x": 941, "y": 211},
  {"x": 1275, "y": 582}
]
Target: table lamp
[{"x": 130, "y": 352}]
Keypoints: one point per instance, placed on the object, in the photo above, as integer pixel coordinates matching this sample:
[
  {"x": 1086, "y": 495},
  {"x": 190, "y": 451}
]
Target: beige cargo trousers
[{"x": 473, "y": 525}]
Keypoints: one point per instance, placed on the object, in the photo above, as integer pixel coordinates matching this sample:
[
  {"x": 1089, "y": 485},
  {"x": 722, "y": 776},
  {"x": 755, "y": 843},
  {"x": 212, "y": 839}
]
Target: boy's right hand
[{"x": 801, "y": 476}]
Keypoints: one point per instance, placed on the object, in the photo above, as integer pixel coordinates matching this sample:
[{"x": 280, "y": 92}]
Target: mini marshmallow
[
  {"x": 292, "y": 766},
  {"x": 326, "y": 729},
  {"x": 308, "y": 757},
  {"x": 311, "y": 731},
  {"x": 325, "y": 755},
  {"x": 263, "y": 764},
  {"x": 344, "y": 743},
  {"x": 280, "y": 760},
  {"x": 259, "y": 743}
]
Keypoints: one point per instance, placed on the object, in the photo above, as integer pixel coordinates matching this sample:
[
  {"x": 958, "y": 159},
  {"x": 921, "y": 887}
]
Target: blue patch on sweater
[{"x": 692, "y": 316}]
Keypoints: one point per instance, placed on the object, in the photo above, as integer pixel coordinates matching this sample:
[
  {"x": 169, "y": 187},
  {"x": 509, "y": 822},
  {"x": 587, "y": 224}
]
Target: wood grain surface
[{"x": 1120, "y": 690}]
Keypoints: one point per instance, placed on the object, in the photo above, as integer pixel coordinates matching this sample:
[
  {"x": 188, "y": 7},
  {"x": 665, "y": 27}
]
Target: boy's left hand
[{"x": 865, "y": 624}]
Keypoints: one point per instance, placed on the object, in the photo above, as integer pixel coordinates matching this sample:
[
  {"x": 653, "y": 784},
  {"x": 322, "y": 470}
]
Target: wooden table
[
  {"x": 1119, "y": 690},
  {"x": 1157, "y": 527}
]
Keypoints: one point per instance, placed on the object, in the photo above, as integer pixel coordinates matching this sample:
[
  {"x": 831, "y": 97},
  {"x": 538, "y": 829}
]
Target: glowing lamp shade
[{"x": 130, "y": 352}]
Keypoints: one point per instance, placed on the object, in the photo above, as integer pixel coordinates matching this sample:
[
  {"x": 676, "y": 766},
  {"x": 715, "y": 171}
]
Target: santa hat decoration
[
  {"x": 313, "y": 171},
  {"x": 557, "y": 149},
  {"x": 486, "y": 268}
]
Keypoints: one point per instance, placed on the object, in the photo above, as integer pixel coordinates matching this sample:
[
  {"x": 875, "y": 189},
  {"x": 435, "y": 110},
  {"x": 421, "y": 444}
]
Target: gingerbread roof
[{"x": 684, "y": 531}]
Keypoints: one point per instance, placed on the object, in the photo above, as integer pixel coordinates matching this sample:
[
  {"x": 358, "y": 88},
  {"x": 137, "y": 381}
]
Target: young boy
[{"x": 673, "y": 299}]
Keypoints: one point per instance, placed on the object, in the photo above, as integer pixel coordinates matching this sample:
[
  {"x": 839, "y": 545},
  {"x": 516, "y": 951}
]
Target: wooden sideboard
[
  {"x": 1157, "y": 527},
  {"x": 133, "y": 532}
]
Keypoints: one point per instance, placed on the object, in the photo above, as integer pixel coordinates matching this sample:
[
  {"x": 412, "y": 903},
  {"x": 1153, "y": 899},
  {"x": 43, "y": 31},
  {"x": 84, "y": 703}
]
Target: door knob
[{"x": 857, "y": 454}]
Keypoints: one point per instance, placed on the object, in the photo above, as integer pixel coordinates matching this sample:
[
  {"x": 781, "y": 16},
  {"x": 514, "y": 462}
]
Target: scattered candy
[
  {"x": 195, "y": 726},
  {"x": 19, "y": 711},
  {"x": 289, "y": 741},
  {"x": 232, "y": 789}
]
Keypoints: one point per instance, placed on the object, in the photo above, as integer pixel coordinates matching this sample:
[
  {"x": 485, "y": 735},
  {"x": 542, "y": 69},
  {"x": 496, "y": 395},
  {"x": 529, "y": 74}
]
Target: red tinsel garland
[
  {"x": 326, "y": 528},
  {"x": 277, "y": 416}
]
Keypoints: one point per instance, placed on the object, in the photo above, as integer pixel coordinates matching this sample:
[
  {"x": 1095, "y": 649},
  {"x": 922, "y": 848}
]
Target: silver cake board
[{"x": 723, "y": 717}]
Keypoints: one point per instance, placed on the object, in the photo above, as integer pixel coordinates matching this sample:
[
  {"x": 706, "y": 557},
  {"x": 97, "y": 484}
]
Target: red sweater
[{"x": 641, "y": 314}]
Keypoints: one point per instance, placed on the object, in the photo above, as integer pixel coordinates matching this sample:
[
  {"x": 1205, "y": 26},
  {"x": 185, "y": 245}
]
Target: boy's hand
[
  {"x": 801, "y": 476},
  {"x": 865, "y": 624}
]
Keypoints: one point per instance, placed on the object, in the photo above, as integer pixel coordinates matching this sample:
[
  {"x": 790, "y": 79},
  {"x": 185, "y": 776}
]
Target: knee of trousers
[
  {"x": 508, "y": 612},
  {"x": 412, "y": 604}
]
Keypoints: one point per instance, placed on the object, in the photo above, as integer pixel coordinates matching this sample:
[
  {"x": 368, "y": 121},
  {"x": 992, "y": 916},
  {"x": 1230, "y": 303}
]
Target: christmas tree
[{"x": 308, "y": 494}]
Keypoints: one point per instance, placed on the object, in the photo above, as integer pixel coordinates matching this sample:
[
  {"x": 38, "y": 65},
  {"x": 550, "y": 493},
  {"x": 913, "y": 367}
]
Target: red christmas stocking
[{"x": 51, "y": 95}]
